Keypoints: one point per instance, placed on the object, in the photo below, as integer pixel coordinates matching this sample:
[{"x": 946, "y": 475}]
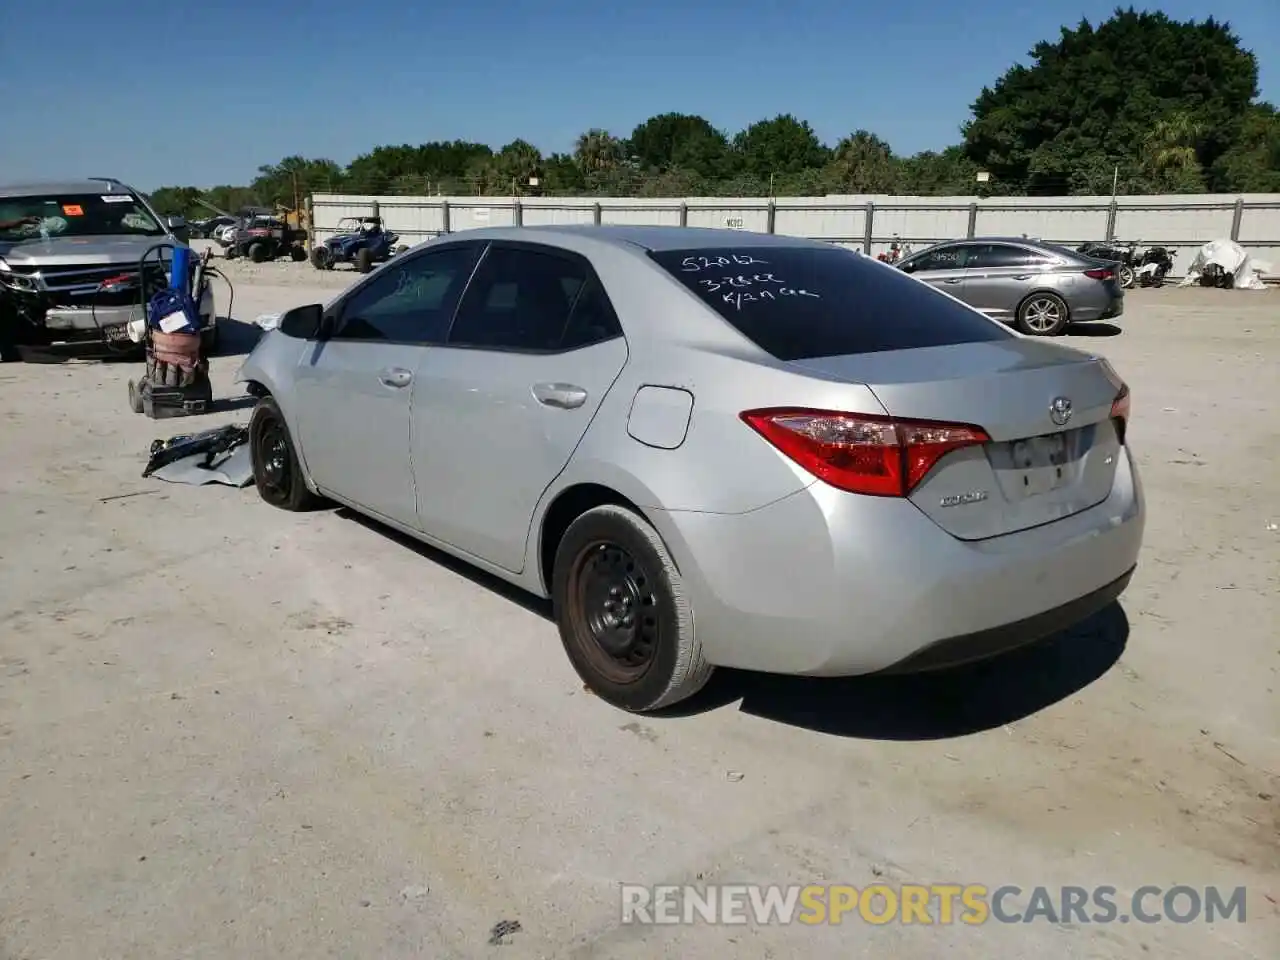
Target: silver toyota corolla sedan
[
  {"x": 1039, "y": 287},
  {"x": 710, "y": 448}
]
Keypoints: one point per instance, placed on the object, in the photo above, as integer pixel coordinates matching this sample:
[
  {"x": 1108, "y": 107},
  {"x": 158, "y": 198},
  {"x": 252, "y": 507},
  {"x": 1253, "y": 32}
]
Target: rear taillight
[
  {"x": 861, "y": 453},
  {"x": 1103, "y": 273},
  {"x": 1120, "y": 411}
]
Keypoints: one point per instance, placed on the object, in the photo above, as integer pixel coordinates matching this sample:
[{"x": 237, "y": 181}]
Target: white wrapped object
[{"x": 1234, "y": 259}]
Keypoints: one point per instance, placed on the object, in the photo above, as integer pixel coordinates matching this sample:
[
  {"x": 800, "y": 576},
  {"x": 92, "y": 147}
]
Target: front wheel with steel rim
[
  {"x": 623, "y": 614},
  {"x": 276, "y": 471},
  {"x": 1043, "y": 315}
]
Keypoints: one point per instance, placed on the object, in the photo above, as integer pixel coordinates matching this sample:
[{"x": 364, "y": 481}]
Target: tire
[
  {"x": 230, "y": 253},
  {"x": 1126, "y": 276},
  {"x": 320, "y": 258},
  {"x": 364, "y": 260},
  {"x": 276, "y": 471},
  {"x": 257, "y": 252},
  {"x": 1043, "y": 315},
  {"x": 615, "y": 581},
  {"x": 297, "y": 254}
]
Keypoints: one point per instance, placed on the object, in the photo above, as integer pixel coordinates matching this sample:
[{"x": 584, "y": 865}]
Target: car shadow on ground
[
  {"x": 236, "y": 337},
  {"x": 927, "y": 706},
  {"x": 1095, "y": 329},
  {"x": 477, "y": 576},
  {"x": 930, "y": 706}
]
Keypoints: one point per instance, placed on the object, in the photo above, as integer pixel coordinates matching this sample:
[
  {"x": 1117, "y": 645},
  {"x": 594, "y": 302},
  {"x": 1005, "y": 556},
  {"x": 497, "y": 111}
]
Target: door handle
[
  {"x": 563, "y": 396},
  {"x": 1023, "y": 276},
  {"x": 395, "y": 377},
  {"x": 956, "y": 280}
]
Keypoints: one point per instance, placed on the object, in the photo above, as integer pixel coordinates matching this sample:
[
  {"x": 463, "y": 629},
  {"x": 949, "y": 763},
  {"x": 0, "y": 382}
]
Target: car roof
[
  {"x": 651, "y": 238},
  {"x": 1056, "y": 249},
  {"x": 88, "y": 185}
]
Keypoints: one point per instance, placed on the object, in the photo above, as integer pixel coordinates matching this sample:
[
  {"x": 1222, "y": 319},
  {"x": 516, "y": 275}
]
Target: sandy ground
[{"x": 228, "y": 731}]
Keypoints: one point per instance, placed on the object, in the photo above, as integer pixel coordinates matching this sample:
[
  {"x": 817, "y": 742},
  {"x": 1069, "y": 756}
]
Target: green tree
[
  {"x": 286, "y": 183},
  {"x": 513, "y": 167},
  {"x": 1252, "y": 164},
  {"x": 948, "y": 173},
  {"x": 179, "y": 202},
  {"x": 1091, "y": 97},
  {"x": 562, "y": 176},
  {"x": 778, "y": 146},
  {"x": 863, "y": 163},
  {"x": 598, "y": 150},
  {"x": 679, "y": 140}
]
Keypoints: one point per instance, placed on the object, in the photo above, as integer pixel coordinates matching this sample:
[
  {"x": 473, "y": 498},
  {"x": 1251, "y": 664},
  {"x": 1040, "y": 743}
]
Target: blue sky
[{"x": 204, "y": 91}]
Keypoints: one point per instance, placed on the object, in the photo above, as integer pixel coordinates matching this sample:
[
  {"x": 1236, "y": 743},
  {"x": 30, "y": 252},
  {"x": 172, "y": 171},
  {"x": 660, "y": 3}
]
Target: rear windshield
[{"x": 799, "y": 302}]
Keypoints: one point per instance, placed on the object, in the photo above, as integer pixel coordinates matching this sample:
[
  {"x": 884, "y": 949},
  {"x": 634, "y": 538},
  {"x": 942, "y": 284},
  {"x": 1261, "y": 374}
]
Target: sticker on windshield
[
  {"x": 73, "y": 210},
  {"x": 116, "y": 198}
]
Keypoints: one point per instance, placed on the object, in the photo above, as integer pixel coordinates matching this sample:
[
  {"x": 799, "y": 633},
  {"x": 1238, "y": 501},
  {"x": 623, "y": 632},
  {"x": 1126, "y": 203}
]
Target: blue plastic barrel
[{"x": 180, "y": 270}]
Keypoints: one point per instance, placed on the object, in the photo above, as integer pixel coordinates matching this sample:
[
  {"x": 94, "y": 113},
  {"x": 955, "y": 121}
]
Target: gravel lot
[{"x": 227, "y": 731}]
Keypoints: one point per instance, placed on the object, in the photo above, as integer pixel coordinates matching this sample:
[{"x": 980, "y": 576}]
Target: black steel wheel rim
[
  {"x": 614, "y": 612},
  {"x": 273, "y": 455}
]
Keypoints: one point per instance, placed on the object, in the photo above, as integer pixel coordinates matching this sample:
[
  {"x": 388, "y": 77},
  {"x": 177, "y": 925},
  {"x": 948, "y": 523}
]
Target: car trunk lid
[{"x": 1053, "y": 445}]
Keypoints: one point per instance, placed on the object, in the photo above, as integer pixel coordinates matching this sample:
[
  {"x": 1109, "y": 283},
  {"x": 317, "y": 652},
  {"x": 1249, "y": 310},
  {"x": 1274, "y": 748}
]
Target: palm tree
[
  {"x": 1170, "y": 145},
  {"x": 597, "y": 151}
]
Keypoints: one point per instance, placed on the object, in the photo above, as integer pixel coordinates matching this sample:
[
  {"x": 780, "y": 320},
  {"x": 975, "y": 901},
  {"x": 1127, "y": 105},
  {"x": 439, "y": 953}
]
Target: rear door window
[
  {"x": 995, "y": 255},
  {"x": 801, "y": 302},
  {"x": 940, "y": 258},
  {"x": 524, "y": 298}
]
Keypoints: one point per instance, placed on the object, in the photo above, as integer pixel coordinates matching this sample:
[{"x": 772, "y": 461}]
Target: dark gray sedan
[{"x": 1038, "y": 287}]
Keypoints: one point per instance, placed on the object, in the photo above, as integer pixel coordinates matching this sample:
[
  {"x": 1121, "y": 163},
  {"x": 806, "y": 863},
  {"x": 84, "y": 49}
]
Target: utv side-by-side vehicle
[
  {"x": 263, "y": 238},
  {"x": 362, "y": 241}
]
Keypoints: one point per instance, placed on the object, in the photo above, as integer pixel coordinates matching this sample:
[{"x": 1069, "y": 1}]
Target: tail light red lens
[
  {"x": 1120, "y": 411},
  {"x": 861, "y": 453},
  {"x": 1101, "y": 274}
]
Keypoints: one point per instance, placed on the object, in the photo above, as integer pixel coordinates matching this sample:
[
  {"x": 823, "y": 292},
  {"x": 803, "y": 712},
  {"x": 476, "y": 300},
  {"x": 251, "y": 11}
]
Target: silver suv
[{"x": 70, "y": 279}]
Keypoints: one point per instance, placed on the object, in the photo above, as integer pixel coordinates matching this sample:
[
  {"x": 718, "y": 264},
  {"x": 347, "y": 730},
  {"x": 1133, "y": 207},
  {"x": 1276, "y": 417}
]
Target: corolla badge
[{"x": 1060, "y": 410}]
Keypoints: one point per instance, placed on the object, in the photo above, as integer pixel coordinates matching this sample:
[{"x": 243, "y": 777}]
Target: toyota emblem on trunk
[{"x": 1060, "y": 410}]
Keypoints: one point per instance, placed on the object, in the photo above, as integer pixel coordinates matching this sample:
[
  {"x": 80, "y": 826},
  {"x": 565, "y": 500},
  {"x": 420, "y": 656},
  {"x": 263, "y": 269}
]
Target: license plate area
[
  {"x": 1035, "y": 466},
  {"x": 117, "y": 333}
]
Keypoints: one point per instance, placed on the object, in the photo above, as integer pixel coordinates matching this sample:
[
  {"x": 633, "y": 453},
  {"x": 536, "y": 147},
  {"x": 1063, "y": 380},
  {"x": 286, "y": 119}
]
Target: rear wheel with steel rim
[
  {"x": 276, "y": 471},
  {"x": 1043, "y": 315},
  {"x": 623, "y": 615}
]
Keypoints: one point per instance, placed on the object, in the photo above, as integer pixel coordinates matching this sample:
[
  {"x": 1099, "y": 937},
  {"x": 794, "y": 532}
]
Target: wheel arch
[
  {"x": 1044, "y": 291},
  {"x": 565, "y": 507}
]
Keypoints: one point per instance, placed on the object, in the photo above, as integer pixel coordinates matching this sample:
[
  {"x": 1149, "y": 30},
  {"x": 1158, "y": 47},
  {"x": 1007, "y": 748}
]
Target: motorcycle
[
  {"x": 1153, "y": 266},
  {"x": 896, "y": 253},
  {"x": 1121, "y": 254}
]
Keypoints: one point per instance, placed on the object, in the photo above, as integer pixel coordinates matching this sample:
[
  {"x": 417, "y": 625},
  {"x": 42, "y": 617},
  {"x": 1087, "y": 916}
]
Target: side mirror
[{"x": 302, "y": 323}]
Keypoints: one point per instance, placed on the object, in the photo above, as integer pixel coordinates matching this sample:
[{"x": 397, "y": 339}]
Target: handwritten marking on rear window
[
  {"x": 739, "y": 281},
  {"x": 695, "y": 264},
  {"x": 738, "y": 299}
]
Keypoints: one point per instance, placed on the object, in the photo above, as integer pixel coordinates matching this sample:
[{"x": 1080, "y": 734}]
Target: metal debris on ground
[
  {"x": 220, "y": 455},
  {"x": 502, "y": 930}
]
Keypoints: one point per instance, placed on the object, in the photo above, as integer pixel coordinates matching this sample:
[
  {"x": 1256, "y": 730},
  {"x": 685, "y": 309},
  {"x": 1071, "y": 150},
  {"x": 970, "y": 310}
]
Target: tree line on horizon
[{"x": 1139, "y": 104}]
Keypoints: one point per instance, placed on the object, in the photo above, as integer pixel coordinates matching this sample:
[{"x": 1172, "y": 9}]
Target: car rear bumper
[
  {"x": 825, "y": 583},
  {"x": 1104, "y": 309}
]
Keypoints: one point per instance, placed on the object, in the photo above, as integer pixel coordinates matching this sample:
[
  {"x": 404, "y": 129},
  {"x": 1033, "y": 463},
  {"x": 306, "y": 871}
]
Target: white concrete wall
[{"x": 1181, "y": 223}]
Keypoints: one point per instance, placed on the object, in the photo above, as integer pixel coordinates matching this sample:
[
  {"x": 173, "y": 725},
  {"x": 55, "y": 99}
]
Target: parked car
[
  {"x": 70, "y": 272},
  {"x": 710, "y": 447},
  {"x": 1039, "y": 287}
]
